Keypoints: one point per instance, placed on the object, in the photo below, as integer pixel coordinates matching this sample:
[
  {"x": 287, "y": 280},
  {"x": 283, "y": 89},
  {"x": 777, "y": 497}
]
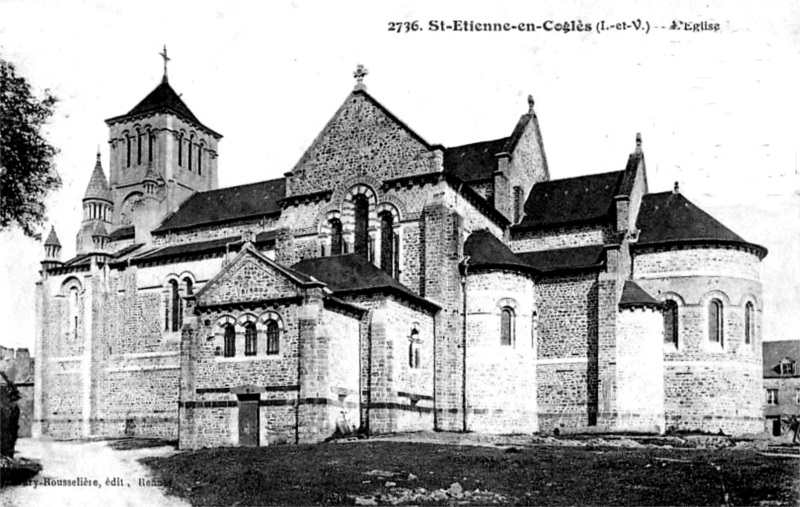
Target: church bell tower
[{"x": 160, "y": 155}]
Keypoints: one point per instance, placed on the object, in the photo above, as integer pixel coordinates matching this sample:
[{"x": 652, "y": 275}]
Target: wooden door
[{"x": 248, "y": 422}]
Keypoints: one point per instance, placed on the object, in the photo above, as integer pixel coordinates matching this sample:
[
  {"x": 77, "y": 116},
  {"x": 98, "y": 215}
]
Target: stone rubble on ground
[{"x": 455, "y": 493}]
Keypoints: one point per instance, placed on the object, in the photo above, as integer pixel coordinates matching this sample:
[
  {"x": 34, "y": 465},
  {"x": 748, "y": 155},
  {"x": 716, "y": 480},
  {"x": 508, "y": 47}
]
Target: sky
[{"x": 717, "y": 108}]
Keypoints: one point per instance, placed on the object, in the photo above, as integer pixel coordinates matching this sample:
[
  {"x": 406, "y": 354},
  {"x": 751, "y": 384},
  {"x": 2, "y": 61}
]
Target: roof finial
[
  {"x": 638, "y": 142},
  {"x": 530, "y": 104},
  {"x": 98, "y": 152},
  {"x": 676, "y": 189},
  {"x": 359, "y": 74},
  {"x": 166, "y": 59}
]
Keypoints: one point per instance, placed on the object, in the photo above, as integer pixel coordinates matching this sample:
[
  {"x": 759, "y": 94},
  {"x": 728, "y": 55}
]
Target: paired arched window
[
  {"x": 361, "y": 240},
  {"x": 128, "y": 140},
  {"x": 200, "y": 159},
  {"x": 671, "y": 322},
  {"x": 387, "y": 243},
  {"x": 749, "y": 323},
  {"x": 139, "y": 138},
  {"x": 715, "y": 322},
  {"x": 189, "y": 151},
  {"x": 273, "y": 338},
  {"x": 250, "y": 339},
  {"x": 336, "y": 236},
  {"x": 229, "y": 341},
  {"x": 507, "y": 326},
  {"x": 151, "y": 137},
  {"x": 180, "y": 150},
  {"x": 174, "y": 307}
]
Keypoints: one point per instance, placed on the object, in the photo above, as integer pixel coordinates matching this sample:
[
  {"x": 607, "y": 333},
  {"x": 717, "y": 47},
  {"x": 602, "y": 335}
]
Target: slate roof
[
  {"x": 570, "y": 201},
  {"x": 486, "y": 251},
  {"x": 125, "y": 232},
  {"x": 349, "y": 274},
  {"x": 634, "y": 296},
  {"x": 163, "y": 99},
  {"x": 474, "y": 162},
  {"x": 98, "y": 184},
  {"x": 227, "y": 204},
  {"x": 52, "y": 238},
  {"x": 668, "y": 217},
  {"x": 220, "y": 245},
  {"x": 86, "y": 259},
  {"x": 774, "y": 352},
  {"x": 564, "y": 259},
  {"x": 201, "y": 247}
]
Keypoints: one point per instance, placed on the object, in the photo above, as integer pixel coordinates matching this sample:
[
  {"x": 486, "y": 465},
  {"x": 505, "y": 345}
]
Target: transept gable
[
  {"x": 252, "y": 277},
  {"x": 362, "y": 138}
]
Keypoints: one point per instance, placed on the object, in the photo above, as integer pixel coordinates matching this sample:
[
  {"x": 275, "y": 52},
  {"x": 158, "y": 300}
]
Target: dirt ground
[
  {"x": 458, "y": 469},
  {"x": 106, "y": 474}
]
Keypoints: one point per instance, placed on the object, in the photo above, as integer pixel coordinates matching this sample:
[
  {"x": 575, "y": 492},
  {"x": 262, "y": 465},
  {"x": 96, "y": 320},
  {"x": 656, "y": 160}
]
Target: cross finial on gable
[
  {"x": 166, "y": 59},
  {"x": 638, "y": 142},
  {"x": 360, "y": 73},
  {"x": 530, "y": 104}
]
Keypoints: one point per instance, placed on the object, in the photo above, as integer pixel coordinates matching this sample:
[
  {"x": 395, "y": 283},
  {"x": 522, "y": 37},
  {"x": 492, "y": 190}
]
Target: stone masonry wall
[
  {"x": 500, "y": 378},
  {"x": 210, "y": 408},
  {"x": 360, "y": 139},
  {"x": 640, "y": 366},
  {"x": 566, "y": 347},
  {"x": 709, "y": 386},
  {"x": 562, "y": 237}
]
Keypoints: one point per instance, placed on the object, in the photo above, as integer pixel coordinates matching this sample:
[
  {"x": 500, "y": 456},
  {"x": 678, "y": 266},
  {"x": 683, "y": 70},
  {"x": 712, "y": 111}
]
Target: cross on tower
[
  {"x": 166, "y": 59},
  {"x": 359, "y": 74}
]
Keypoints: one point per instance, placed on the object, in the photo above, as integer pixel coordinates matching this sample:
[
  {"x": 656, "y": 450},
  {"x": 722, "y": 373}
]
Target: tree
[
  {"x": 26, "y": 158},
  {"x": 9, "y": 416}
]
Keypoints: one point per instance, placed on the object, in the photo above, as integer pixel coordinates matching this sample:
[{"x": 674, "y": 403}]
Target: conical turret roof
[
  {"x": 98, "y": 184},
  {"x": 52, "y": 238}
]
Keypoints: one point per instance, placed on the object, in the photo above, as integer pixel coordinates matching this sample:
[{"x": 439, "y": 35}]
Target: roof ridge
[
  {"x": 582, "y": 176},
  {"x": 478, "y": 142}
]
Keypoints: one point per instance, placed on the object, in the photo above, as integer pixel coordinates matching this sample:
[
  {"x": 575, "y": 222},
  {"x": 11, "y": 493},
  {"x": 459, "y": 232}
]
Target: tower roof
[
  {"x": 52, "y": 238},
  {"x": 670, "y": 218},
  {"x": 98, "y": 184},
  {"x": 163, "y": 99}
]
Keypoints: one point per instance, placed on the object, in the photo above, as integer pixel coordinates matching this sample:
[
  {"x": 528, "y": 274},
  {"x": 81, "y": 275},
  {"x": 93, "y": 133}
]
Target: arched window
[
  {"x": 180, "y": 150},
  {"x": 151, "y": 137},
  {"x": 230, "y": 341},
  {"x": 715, "y": 331},
  {"x": 200, "y": 159},
  {"x": 749, "y": 323},
  {"x": 250, "y": 339},
  {"x": 189, "y": 286},
  {"x": 361, "y": 246},
  {"x": 128, "y": 157},
  {"x": 273, "y": 338},
  {"x": 189, "y": 151},
  {"x": 175, "y": 306},
  {"x": 671, "y": 322},
  {"x": 139, "y": 146},
  {"x": 336, "y": 236},
  {"x": 387, "y": 242},
  {"x": 413, "y": 349},
  {"x": 507, "y": 326},
  {"x": 73, "y": 313}
]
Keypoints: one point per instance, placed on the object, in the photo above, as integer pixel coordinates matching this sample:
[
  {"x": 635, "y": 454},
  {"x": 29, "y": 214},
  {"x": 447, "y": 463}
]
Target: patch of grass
[{"x": 334, "y": 473}]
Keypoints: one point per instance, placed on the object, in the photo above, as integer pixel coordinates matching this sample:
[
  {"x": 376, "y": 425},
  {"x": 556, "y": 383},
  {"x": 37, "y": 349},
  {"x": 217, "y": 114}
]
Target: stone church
[{"x": 388, "y": 284}]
